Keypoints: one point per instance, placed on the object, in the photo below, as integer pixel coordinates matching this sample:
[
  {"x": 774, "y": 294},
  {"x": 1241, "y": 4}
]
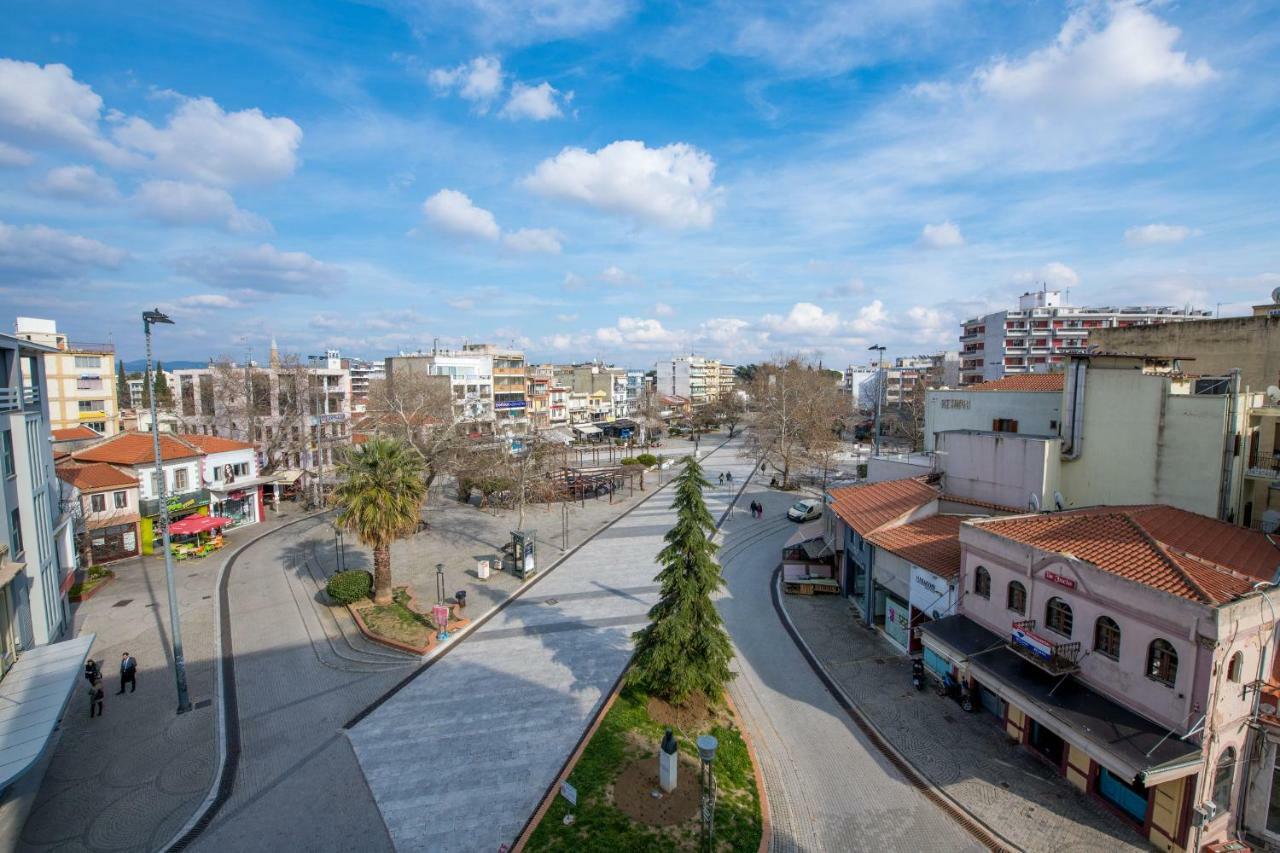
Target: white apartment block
[
  {"x": 488, "y": 384},
  {"x": 696, "y": 379},
  {"x": 362, "y": 373},
  {"x": 81, "y": 378},
  {"x": 1038, "y": 336}
]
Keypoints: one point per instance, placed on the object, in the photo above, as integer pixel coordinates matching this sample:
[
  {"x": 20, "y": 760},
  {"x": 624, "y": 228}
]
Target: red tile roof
[
  {"x": 1022, "y": 382},
  {"x": 956, "y": 499},
  {"x": 1172, "y": 550},
  {"x": 94, "y": 476},
  {"x": 869, "y": 506},
  {"x": 932, "y": 543},
  {"x": 213, "y": 443},
  {"x": 75, "y": 433},
  {"x": 134, "y": 448}
]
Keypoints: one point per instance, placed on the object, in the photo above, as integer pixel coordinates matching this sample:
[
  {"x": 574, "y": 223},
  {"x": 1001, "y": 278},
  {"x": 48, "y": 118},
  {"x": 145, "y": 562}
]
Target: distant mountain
[{"x": 140, "y": 364}]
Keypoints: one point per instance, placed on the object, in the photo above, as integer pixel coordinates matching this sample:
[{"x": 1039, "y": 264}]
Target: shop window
[
  {"x": 1016, "y": 600},
  {"x": 121, "y": 499},
  {"x": 1057, "y": 616},
  {"x": 1222, "y": 778},
  {"x": 1120, "y": 792},
  {"x": 1235, "y": 667},
  {"x": 1162, "y": 662},
  {"x": 982, "y": 582},
  {"x": 1106, "y": 637},
  {"x": 97, "y": 503}
]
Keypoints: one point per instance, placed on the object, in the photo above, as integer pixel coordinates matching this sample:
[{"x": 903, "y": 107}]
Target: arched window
[
  {"x": 982, "y": 582},
  {"x": 1162, "y": 662},
  {"x": 1223, "y": 775},
  {"x": 1017, "y": 598},
  {"x": 1106, "y": 637},
  {"x": 1057, "y": 616},
  {"x": 1235, "y": 667}
]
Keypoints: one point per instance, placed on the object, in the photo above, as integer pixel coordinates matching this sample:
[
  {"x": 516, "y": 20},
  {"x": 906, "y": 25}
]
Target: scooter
[
  {"x": 956, "y": 690},
  {"x": 917, "y": 673}
]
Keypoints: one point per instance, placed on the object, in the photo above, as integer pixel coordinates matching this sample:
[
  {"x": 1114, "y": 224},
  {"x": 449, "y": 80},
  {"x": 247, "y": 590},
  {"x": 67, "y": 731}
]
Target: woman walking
[{"x": 95, "y": 698}]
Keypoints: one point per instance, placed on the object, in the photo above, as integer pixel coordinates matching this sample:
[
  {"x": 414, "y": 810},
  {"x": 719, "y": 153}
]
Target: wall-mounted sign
[
  {"x": 331, "y": 419},
  {"x": 952, "y": 403},
  {"x": 1054, "y": 577},
  {"x": 510, "y": 404}
]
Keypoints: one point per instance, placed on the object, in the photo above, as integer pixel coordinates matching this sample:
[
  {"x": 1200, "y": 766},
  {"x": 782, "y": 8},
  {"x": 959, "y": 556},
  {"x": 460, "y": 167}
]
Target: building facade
[
  {"x": 81, "y": 378},
  {"x": 106, "y": 500}
]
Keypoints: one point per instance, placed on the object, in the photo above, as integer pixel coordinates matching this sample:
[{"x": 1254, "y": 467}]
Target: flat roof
[{"x": 33, "y": 697}]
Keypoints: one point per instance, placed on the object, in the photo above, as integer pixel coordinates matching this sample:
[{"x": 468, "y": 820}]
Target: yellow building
[{"x": 81, "y": 378}]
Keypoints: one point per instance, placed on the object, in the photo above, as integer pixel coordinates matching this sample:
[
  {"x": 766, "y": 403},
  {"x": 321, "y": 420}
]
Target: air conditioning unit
[{"x": 1203, "y": 813}]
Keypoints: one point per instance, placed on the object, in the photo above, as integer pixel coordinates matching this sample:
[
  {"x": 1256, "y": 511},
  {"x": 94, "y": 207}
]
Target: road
[{"x": 828, "y": 788}]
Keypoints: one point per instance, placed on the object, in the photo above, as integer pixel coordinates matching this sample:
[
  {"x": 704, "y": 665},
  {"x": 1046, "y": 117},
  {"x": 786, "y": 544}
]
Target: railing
[
  {"x": 82, "y": 346},
  {"x": 1055, "y": 658},
  {"x": 1264, "y": 465},
  {"x": 15, "y": 398}
]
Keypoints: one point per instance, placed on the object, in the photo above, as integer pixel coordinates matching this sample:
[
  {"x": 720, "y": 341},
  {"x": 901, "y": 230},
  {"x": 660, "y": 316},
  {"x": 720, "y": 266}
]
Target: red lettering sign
[{"x": 1054, "y": 577}]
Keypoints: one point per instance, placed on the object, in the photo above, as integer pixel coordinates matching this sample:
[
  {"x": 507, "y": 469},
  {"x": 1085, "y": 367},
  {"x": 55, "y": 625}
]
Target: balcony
[
  {"x": 15, "y": 398},
  {"x": 1264, "y": 466},
  {"x": 1053, "y": 658}
]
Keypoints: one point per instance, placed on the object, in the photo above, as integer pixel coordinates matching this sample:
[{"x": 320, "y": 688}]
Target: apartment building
[
  {"x": 489, "y": 384},
  {"x": 81, "y": 377},
  {"x": 692, "y": 377},
  {"x": 1038, "y": 335},
  {"x": 362, "y": 373},
  {"x": 538, "y": 381},
  {"x": 510, "y": 405},
  {"x": 636, "y": 383}
]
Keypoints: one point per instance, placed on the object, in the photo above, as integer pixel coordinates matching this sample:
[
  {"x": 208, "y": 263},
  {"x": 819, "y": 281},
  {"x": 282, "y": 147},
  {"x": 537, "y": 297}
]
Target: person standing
[
  {"x": 95, "y": 698},
  {"x": 128, "y": 673},
  {"x": 91, "y": 671}
]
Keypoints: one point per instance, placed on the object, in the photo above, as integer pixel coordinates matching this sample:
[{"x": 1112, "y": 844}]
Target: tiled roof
[
  {"x": 134, "y": 448},
  {"x": 75, "y": 433},
  {"x": 956, "y": 499},
  {"x": 94, "y": 476},
  {"x": 1172, "y": 550},
  {"x": 932, "y": 543},
  {"x": 213, "y": 443},
  {"x": 868, "y": 506},
  {"x": 1022, "y": 382}
]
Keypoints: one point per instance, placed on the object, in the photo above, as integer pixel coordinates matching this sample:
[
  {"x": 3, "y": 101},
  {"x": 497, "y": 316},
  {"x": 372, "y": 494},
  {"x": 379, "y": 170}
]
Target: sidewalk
[{"x": 967, "y": 755}]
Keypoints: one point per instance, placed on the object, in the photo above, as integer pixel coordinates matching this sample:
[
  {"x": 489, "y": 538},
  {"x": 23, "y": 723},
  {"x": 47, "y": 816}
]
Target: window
[
  {"x": 88, "y": 361},
  {"x": 96, "y": 426},
  {"x": 1005, "y": 424},
  {"x": 1162, "y": 662},
  {"x": 180, "y": 480},
  {"x": 15, "y": 535},
  {"x": 1057, "y": 616},
  {"x": 982, "y": 582},
  {"x": 155, "y": 484},
  {"x": 97, "y": 503},
  {"x": 1017, "y": 598},
  {"x": 92, "y": 405},
  {"x": 1222, "y": 778},
  {"x": 121, "y": 499},
  {"x": 1235, "y": 667},
  {"x": 9, "y": 469},
  {"x": 1106, "y": 637}
]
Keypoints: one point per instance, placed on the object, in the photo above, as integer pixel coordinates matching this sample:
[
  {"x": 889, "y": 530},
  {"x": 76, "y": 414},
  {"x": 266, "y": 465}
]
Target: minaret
[{"x": 274, "y": 358}]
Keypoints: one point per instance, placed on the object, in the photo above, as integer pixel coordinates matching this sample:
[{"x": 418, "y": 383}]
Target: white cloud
[
  {"x": 208, "y": 300},
  {"x": 478, "y": 81},
  {"x": 11, "y": 156},
  {"x": 566, "y": 318},
  {"x": 453, "y": 212},
  {"x": 79, "y": 183},
  {"x": 662, "y": 309},
  {"x": 1055, "y": 275},
  {"x": 637, "y": 332},
  {"x": 670, "y": 186},
  {"x": 614, "y": 274},
  {"x": 805, "y": 318},
  {"x": 539, "y": 102},
  {"x": 723, "y": 330},
  {"x": 38, "y": 253},
  {"x": 545, "y": 240},
  {"x": 46, "y": 105},
  {"x": 944, "y": 235},
  {"x": 1156, "y": 234},
  {"x": 203, "y": 142},
  {"x": 559, "y": 342},
  {"x": 573, "y": 281},
  {"x": 461, "y": 303},
  {"x": 264, "y": 269},
  {"x": 182, "y": 203},
  {"x": 871, "y": 319},
  {"x": 517, "y": 21}
]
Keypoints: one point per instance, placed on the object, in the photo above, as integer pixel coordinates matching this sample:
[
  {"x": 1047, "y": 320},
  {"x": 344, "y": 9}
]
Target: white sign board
[{"x": 569, "y": 792}]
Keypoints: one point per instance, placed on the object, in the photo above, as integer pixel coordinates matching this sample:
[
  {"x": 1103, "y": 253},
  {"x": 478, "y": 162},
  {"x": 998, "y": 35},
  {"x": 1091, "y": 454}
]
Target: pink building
[{"x": 1125, "y": 646}]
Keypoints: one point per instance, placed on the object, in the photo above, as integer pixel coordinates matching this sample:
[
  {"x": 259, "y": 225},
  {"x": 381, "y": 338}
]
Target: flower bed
[
  {"x": 95, "y": 579},
  {"x": 402, "y": 624}
]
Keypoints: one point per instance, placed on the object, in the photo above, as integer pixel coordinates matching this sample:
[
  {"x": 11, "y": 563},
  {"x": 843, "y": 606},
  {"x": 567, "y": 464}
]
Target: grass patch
[
  {"x": 95, "y": 577},
  {"x": 396, "y": 621},
  {"x": 628, "y": 732}
]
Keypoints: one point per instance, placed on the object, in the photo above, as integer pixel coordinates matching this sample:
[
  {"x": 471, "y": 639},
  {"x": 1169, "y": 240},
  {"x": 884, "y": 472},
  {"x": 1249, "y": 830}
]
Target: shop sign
[
  {"x": 509, "y": 404},
  {"x": 179, "y": 505},
  {"x": 331, "y": 419},
  {"x": 1034, "y": 643},
  {"x": 1054, "y": 577},
  {"x": 130, "y": 540},
  {"x": 951, "y": 403}
]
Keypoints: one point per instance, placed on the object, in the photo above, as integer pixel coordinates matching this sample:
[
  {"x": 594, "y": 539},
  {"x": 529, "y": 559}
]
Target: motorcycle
[
  {"x": 950, "y": 688},
  {"x": 917, "y": 673}
]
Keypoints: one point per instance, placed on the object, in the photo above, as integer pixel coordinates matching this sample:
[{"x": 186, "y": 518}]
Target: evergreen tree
[
  {"x": 684, "y": 648},
  {"x": 161, "y": 389},
  {"x": 122, "y": 387}
]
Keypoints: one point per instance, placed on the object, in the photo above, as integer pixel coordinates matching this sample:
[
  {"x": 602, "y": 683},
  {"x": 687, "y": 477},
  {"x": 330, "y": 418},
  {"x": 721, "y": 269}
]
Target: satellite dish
[
  {"x": 1058, "y": 500},
  {"x": 1034, "y": 502},
  {"x": 1273, "y": 393},
  {"x": 1275, "y": 295},
  {"x": 1270, "y": 521}
]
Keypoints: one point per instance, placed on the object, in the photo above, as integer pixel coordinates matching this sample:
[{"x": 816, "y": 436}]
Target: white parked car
[{"x": 806, "y": 510}]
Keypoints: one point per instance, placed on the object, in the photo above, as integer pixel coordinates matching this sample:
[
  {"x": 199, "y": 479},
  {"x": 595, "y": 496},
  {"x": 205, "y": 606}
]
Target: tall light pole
[
  {"x": 149, "y": 319},
  {"x": 707, "y": 754},
  {"x": 875, "y": 437}
]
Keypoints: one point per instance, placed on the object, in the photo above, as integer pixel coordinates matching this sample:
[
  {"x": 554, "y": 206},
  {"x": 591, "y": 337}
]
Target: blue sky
[{"x": 626, "y": 181}]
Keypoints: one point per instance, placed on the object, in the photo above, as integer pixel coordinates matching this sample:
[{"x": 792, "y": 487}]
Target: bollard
[{"x": 667, "y": 763}]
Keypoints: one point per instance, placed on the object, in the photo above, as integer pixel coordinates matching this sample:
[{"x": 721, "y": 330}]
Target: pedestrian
[
  {"x": 95, "y": 698},
  {"x": 128, "y": 673},
  {"x": 728, "y": 477},
  {"x": 721, "y": 478},
  {"x": 753, "y": 509},
  {"x": 759, "y": 510},
  {"x": 91, "y": 671}
]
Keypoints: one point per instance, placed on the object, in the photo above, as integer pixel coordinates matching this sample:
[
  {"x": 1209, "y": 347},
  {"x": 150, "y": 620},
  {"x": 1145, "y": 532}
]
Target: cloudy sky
[{"x": 606, "y": 178}]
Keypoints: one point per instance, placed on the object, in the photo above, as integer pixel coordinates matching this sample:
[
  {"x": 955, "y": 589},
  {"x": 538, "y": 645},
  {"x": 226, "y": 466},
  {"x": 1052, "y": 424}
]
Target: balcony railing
[
  {"x": 15, "y": 398},
  {"x": 83, "y": 346},
  {"x": 1054, "y": 658},
  {"x": 1264, "y": 465}
]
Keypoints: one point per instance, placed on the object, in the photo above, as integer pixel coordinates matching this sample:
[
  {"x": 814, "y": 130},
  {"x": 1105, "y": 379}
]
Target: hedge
[
  {"x": 647, "y": 459},
  {"x": 349, "y": 587}
]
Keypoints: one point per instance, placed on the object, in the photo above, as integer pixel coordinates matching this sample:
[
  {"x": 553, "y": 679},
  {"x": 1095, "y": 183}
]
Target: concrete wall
[
  {"x": 898, "y": 467},
  {"x": 1037, "y": 412},
  {"x": 1249, "y": 343},
  {"x": 1001, "y": 468}
]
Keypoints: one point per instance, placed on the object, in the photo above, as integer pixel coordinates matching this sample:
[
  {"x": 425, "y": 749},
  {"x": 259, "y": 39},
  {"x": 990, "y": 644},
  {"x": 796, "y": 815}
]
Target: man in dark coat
[{"x": 128, "y": 673}]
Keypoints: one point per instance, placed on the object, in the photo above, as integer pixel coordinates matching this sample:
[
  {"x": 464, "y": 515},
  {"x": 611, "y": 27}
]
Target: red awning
[{"x": 197, "y": 524}]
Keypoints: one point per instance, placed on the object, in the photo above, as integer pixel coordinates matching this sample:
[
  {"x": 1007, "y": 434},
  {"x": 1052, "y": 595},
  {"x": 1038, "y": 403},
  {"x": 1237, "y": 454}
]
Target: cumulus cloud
[
  {"x": 539, "y": 103},
  {"x": 77, "y": 183},
  {"x": 670, "y": 186},
  {"x": 544, "y": 240},
  {"x": 208, "y": 300},
  {"x": 478, "y": 81},
  {"x": 44, "y": 105},
  {"x": 944, "y": 235},
  {"x": 638, "y": 333},
  {"x": 805, "y": 318},
  {"x": 454, "y": 213},
  {"x": 662, "y": 309},
  {"x": 38, "y": 253},
  {"x": 11, "y": 156},
  {"x": 264, "y": 269},
  {"x": 1156, "y": 234},
  {"x": 1054, "y": 274},
  {"x": 616, "y": 275},
  {"x": 183, "y": 203}
]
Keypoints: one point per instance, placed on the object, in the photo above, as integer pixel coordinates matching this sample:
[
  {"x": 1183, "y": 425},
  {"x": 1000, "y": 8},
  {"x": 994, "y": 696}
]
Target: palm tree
[{"x": 379, "y": 498}]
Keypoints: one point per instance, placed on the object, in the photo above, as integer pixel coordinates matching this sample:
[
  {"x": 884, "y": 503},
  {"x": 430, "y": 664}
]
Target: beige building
[{"x": 81, "y": 377}]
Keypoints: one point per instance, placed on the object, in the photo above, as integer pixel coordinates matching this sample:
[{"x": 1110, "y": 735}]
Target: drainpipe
[
  {"x": 1073, "y": 417},
  {"x": 1228, "y": 451},
  {"x": 868, "y": 612}
]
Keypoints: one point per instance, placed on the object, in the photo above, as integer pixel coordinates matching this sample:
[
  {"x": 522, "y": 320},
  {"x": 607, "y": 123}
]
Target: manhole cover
[
  {"x": 122, "y": 602},
  {"x": 553, "y": 601}
]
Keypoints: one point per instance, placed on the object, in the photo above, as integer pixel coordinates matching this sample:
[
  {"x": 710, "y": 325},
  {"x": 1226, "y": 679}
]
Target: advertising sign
[
  {"x": 1054, "y": 577},
  {"x": 1034, "y": 643},
  {"x": 509, "y": 404}
]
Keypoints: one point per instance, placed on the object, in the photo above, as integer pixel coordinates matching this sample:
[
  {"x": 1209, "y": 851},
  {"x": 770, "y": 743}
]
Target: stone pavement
[
  {"x": 828, "y": 788},
  {"x": 128, "y": 780},
  {"x": 968, "y": 755},
  {"x": 461, "y": 756}
]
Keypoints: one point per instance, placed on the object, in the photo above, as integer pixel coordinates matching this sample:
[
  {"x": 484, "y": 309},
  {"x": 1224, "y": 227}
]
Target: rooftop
[
  {"x": 94, "y": 476},
  {"x": 932, "y": 543},
  {"x": 213, "y": 443},
  {"x": 869, "y": 506},
  {"x": 76, "y": 433},
  {"x": 134, "y": 448},
  {"x": 1022, "y": 382}
]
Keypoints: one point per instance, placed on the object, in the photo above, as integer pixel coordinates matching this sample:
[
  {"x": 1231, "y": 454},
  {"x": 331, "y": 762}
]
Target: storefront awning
[
  {"x": 33, "y": 696},
  {"x": 197, "y": 524},
  {"x": 111, "y": 521},
  {"x": 1124, "y": 742},
  {"x": 222, "y": 488},
  {"x": 287, "y": 477},
  {"x": 587, "y": 429}
]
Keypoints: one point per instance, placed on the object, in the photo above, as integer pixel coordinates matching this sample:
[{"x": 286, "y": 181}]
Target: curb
[
  {"x": 968, "y": 821},
  {"x": 766, "y": 828},
  {"x": 225, "y": 701}
]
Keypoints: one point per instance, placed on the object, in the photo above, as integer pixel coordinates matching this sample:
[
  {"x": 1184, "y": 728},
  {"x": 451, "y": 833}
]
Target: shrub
[
  {"x": 349, "y": 587},
  {"x": 628, "y": 460},
  {"x": 648, "y": 460}
]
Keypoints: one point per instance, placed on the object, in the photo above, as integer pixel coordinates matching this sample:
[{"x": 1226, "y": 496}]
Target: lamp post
[
  {"x": 875, "y": 437},
  {"x": 439, "y": 583},
  {"x": 149, "y": 319},
  {"x": 339, "y": 552},
  {"x": 707, "y": 753}
]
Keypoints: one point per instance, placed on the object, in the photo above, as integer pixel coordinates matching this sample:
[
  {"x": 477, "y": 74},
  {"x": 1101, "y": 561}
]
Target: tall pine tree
[
  {"x": 122, "y": 387},
  {"x": 684, "y": 648},
  {"x": 161, "y": 387}
]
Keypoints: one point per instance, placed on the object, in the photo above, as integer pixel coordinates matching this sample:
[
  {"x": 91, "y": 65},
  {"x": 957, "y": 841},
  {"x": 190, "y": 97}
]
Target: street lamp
[
  {"x": 149, "y": 319},
  {"x": 440, "y": 583},
  {"x": 875, "y": 438},
  {"x": 339, "y": 552},
  {"x": 707, "y": 752}
]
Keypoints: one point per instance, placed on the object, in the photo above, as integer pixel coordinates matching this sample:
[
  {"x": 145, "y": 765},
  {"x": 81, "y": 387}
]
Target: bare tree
[
  {"x": 795, "y": 411},
  {"x": 730, "y": 411},
  {"x": 420, "y": 409}
]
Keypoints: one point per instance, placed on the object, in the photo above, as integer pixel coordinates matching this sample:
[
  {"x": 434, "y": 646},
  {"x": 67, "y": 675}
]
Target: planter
[
  {"x": 409, "y": 603},
  {"x": 82, "y": 592}
]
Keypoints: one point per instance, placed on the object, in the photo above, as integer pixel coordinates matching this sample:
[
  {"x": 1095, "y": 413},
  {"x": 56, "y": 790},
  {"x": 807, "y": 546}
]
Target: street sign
[{"x": 569, "y": 792}]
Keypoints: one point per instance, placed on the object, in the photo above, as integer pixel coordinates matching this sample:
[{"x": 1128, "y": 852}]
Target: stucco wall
[
  {"x": 1037, "y": 412},
  {"x": 999, "y": 468},
  {"x": 1249, "y": 343}
]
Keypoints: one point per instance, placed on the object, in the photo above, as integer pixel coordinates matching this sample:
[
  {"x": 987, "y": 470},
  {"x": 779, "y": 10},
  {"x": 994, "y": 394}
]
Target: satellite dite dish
[
  {"x": 1058, "y": 500},
  {"x": 1034, "y": 502},
  {"x": 1273, "y": 394},
  {"x": 1275, "y": 295}
]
